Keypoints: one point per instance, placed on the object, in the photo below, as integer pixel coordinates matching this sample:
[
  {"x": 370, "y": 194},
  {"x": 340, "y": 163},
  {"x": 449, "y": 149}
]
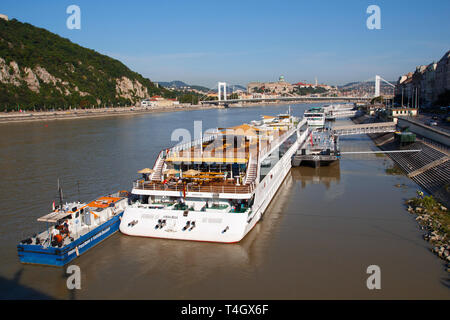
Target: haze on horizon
[{"x": 202, "y": 42}]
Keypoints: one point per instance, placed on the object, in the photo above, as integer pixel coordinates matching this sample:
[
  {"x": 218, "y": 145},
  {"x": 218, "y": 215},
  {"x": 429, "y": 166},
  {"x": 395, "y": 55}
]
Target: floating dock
[{"x": 321, "y": 149}]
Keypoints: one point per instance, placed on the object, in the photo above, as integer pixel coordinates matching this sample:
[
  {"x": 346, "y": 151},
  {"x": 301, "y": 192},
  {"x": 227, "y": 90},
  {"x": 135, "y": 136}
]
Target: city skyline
[{"x": 203, "y": 42}]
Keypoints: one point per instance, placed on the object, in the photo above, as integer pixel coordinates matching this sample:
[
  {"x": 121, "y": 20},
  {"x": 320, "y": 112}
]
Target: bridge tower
[
  {"x": 222, "y": 85},
  {"x": 377, "y": 85}
]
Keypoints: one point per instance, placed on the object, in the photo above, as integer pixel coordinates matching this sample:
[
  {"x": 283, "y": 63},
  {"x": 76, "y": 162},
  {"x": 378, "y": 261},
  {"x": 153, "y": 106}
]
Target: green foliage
[
  {"x": 309, "y": 90},
  {"x": 428, "y": 202},
  {"x": 191, "y": 98},
  {"x": 394, "y": 170},
  {"x": 81, "y": 68}
]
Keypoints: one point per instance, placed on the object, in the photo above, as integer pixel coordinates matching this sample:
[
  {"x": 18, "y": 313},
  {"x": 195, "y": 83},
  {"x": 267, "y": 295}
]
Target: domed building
[{"x": 279, "y": 87}]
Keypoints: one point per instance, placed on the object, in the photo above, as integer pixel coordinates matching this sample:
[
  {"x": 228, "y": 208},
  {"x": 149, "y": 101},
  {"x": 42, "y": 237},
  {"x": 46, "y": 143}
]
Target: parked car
[{"x": 431, "y": 123}]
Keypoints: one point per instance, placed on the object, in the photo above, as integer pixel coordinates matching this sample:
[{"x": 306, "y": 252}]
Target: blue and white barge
[{"x": 73, "y": 229}]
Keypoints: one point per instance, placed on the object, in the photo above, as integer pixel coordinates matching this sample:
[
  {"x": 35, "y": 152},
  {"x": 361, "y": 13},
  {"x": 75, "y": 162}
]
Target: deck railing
[
  {"x": 277, "y": 141},
  {"x": 194, "y": 188},
  {"x": 188, "y": 145}
]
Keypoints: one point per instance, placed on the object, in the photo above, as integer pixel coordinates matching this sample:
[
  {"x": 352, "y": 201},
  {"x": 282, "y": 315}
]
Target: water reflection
[{"x": 326, "y": 175}]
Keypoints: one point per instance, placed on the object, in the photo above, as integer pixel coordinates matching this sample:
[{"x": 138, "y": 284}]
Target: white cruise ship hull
[{"x": 210, "y": 227}]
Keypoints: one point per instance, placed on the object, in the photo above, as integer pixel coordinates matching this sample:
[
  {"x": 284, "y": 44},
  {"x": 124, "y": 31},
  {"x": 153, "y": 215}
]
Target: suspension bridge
[{"x": 222, "y": 97}]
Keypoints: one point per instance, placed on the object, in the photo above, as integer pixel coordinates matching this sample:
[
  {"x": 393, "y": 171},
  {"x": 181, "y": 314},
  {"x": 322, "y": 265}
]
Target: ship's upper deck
[{"x": 225, "y": 162}]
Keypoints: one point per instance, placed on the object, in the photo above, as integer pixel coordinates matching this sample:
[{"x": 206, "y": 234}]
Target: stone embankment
[{"x": 429, "y": 168}]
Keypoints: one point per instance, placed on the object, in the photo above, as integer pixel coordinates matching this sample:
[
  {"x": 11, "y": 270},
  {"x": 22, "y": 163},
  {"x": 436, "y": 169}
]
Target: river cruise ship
[
  {"x": 315, "y": 117},
  {"x": 72, "y": 229},
  {"x": 215, "y": 188}
]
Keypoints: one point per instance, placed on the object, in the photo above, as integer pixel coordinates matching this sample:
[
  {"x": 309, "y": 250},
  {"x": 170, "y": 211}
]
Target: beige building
[
  {"x": 4, "y": 17},
  {"x": 394, "y": 113},
  {"x": 157, "y": 101},
  {"x": 426, "y": 83},
  {"x": 443, "y": 74}
]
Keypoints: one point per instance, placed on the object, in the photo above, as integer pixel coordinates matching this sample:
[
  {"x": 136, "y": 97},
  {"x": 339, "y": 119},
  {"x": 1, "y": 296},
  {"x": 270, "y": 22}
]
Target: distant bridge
[
  {"x": 222, "y": 95},
  {"x": 365, "y": 128},
  {"x": 301, "y": 98}
]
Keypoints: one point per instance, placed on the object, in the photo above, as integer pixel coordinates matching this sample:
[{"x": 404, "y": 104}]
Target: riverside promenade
[{"x": 6, "y": 117}]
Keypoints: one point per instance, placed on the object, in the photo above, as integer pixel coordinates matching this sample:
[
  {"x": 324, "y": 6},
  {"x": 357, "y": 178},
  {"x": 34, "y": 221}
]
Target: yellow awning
[{"x": 207, "y": 160}]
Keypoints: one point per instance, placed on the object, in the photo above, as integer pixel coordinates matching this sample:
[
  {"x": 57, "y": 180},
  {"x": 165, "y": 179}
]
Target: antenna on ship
[
  {"x": 78, "y": 186},
  {"x": 60, "y": 195}
]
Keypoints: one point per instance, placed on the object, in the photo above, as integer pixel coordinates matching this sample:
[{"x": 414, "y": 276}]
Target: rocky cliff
[{"x": 39, "y": 68}]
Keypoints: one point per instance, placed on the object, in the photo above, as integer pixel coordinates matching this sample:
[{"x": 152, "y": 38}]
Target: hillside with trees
[{"x": 39, "y": 69}]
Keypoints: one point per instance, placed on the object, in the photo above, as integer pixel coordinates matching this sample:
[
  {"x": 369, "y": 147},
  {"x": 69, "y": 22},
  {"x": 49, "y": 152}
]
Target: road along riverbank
[{"x": 91, "y": 113}]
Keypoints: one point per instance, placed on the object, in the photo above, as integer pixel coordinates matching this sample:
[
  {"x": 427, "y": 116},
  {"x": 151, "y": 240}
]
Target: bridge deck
[{"x": 299, "y": 98}]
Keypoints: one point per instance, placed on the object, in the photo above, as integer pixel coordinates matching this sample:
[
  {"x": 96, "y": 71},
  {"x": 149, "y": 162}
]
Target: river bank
[
  {"x": 91, "y": 113},
  {"x": 432, "y": 216},
  {"x": 27, "y": 116},
  {"x": 106, "y": 112}
]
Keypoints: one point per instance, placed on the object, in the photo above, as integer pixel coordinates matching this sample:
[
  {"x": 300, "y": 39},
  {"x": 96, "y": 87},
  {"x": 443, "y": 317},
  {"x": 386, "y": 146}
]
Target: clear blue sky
[{"x": 202, "y": 42}]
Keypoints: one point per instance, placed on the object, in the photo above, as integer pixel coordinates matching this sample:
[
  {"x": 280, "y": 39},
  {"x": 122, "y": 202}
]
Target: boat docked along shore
[
  {"x": 72, "y": 229},
  {"x": 215, "y": 188},
  {"x": 315, "y": 117}
]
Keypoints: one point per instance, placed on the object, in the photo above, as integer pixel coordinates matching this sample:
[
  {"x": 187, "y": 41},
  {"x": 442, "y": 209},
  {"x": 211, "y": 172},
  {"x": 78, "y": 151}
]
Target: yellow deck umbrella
[
  {"x": 192, "y": 172},
  {"x": 146, "y": 171},
  {"x": 171, "y": 172}
]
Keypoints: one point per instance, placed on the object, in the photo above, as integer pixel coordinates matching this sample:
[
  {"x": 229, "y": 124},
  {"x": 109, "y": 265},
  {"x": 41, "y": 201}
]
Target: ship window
[{"x": 77, "y": 214}]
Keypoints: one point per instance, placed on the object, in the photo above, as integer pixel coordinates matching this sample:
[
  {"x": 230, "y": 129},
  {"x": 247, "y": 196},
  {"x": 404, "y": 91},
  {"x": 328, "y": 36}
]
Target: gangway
[{"x": 365, "y": 128}]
